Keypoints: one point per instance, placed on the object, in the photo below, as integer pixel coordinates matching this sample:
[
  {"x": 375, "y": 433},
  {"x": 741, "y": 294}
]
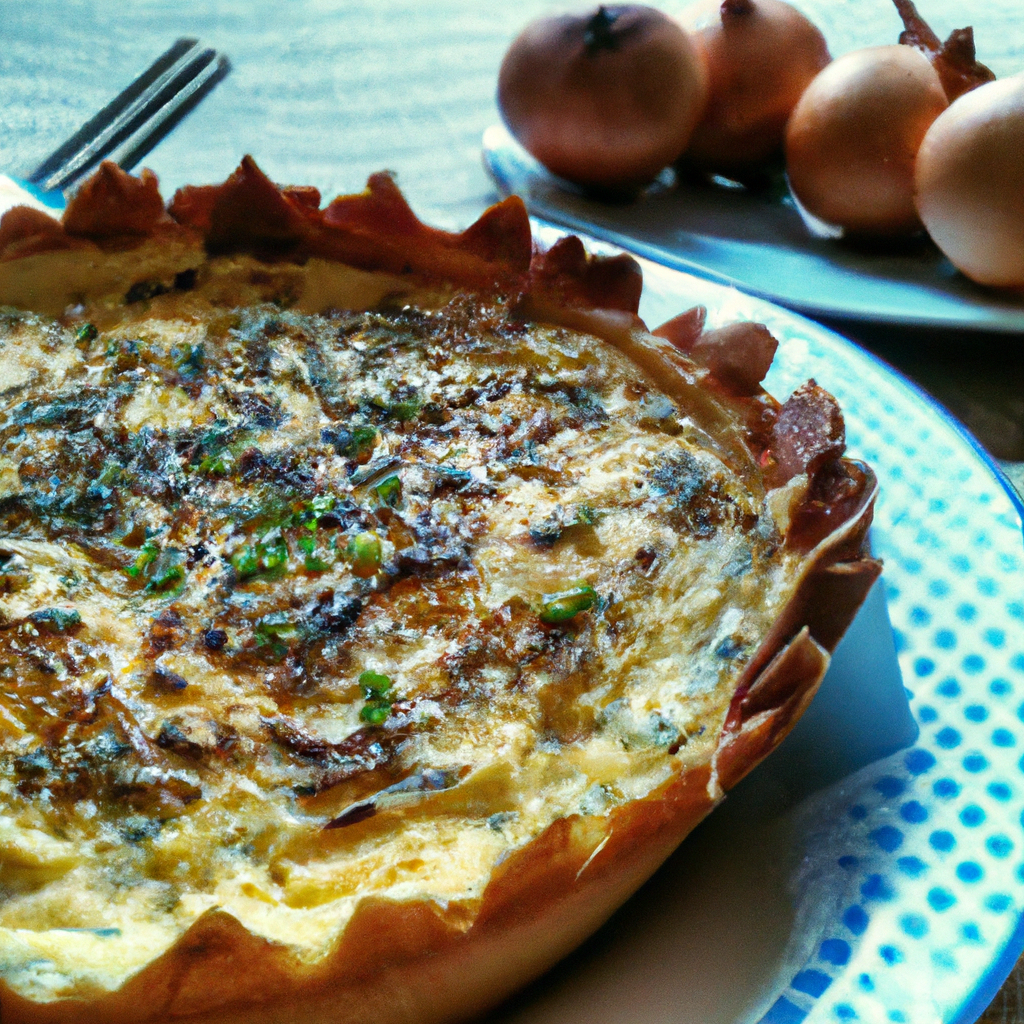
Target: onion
[
  {"x": 605, "y": 100},
  {"x": 852, "y": 139},
  {"x": 970, "y": 182},
  {"x": 760, "y": 56}
]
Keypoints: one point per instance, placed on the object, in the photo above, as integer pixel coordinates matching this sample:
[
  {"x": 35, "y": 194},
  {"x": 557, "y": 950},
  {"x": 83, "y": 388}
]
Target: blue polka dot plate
[{"x": 873, "y": 868}]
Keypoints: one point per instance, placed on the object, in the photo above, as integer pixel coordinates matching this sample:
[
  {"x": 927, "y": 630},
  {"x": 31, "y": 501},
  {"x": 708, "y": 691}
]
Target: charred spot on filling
[
  {"x": 106, "y": 759},
  {"x": 697, "y": 501}
]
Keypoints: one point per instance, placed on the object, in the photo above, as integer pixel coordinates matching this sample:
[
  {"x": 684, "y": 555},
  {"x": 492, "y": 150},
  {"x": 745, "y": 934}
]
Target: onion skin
[
  {"x": 852, "y": 140},
  {"x": 970, "y": 183},
  {"x": 606, "y": 100},
  {"x": 760, "y": 55},
  {"x": 954, "y": 60}
]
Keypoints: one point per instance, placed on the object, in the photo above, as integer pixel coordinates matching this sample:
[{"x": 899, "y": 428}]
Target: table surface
[{"x": 325, "y": 92}]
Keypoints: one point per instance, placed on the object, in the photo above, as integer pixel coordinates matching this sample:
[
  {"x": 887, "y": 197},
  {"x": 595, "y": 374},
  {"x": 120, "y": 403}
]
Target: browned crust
[{"x": 416, "y": 962}]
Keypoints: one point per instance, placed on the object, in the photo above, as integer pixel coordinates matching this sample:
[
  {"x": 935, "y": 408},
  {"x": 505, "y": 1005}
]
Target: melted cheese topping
[{"x": 298, "y": 609}]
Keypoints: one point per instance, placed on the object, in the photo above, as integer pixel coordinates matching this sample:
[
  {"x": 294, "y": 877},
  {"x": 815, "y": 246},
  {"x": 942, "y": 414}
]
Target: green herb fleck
[
  {"x": 567, "y": 604},
  {"x": 245, "y": 562},
  {"x": 313, "y": 563},
  {"x": 267, "y": 557},
  {"x": 148, "y": 554},
  {"x": 389, "y": 490},
  {"x": 274, "y": 555},
  {"x": 364, "y": 440},
  {"x": 375, "y": 713},
  {"x": 219, "y": 447},
  {"x": 365, "y": 554},
  {"x": 376, "y": 689},
  {"x": 216, "y": 465},
  {"x": 405, "y": 408},
  {"x": 310, "y": 511},
  {"x": 320, "y": 505},
  {"x": 276, "y": 626},
  {"x": 85, "y": 335},
  {"x": 110, "y": 475},
  {"x": 168, "y": 573},
  {"x": 274, "y": 632}
]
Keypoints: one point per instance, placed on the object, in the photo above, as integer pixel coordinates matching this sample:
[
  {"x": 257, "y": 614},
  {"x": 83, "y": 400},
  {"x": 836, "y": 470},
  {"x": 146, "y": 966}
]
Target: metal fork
[{"x": 132, "y": 123}]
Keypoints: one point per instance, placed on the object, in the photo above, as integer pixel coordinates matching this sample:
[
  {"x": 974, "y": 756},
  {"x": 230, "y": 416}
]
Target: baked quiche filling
[{"x": 298, "y": 609}]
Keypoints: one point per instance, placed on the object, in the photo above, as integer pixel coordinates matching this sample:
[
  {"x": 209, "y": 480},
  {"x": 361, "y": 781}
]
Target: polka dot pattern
[{"x": 912, "y": 886}]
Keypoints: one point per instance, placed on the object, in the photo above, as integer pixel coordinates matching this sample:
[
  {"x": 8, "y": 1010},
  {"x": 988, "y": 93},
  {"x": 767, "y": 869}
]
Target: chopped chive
[
  {"x": 148, "y": 554},
  {"x": 85, "y": 335},
  {"x": 168, "y": 572},
  {"x": 567, "y": 604},
  {"x": 365, "y": 554},
  {"x": 375, "y": 687},
  {"x": 389, "y": 490}
]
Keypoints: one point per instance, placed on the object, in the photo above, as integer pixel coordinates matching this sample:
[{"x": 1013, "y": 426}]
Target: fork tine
[
  {"x": 174, "y": 112},
  {"x": 132, "y": 118},
  {"x": 60, "y": 156}
]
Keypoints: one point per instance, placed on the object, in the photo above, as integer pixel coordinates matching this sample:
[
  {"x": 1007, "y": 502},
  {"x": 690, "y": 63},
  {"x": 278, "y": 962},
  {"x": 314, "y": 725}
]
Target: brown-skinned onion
[
  {"x": 970, "y": 183},
  {"x": 853, "y": 137},
  {"x": 605, "y": 100},
  {"x": 760, "y": 55}
]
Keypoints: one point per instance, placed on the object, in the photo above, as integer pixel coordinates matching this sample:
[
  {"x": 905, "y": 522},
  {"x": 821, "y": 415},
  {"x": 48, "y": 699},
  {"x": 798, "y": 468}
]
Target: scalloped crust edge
[{"x": 419, "y": 962}]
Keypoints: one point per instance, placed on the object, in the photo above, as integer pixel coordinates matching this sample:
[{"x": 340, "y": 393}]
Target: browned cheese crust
[{"x": 379, "y": 606}]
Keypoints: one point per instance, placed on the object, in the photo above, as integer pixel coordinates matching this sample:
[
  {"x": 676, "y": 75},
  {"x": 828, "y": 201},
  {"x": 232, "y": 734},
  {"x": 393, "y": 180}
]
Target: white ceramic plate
[
  {"x": 835, "y": 884},
  {"x": 762, "y": 246}
]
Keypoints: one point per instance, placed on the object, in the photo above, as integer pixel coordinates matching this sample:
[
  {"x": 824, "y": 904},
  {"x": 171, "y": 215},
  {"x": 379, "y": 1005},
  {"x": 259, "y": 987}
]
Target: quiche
[{"x": 379, "y": 606}]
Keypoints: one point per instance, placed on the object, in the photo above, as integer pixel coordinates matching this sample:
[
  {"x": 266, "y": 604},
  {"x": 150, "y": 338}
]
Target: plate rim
[{"x": 1012, "y": 950}]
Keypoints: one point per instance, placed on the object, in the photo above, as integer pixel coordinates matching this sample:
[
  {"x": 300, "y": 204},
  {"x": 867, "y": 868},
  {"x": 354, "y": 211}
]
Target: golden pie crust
[{"x": 253, "y": 771}]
